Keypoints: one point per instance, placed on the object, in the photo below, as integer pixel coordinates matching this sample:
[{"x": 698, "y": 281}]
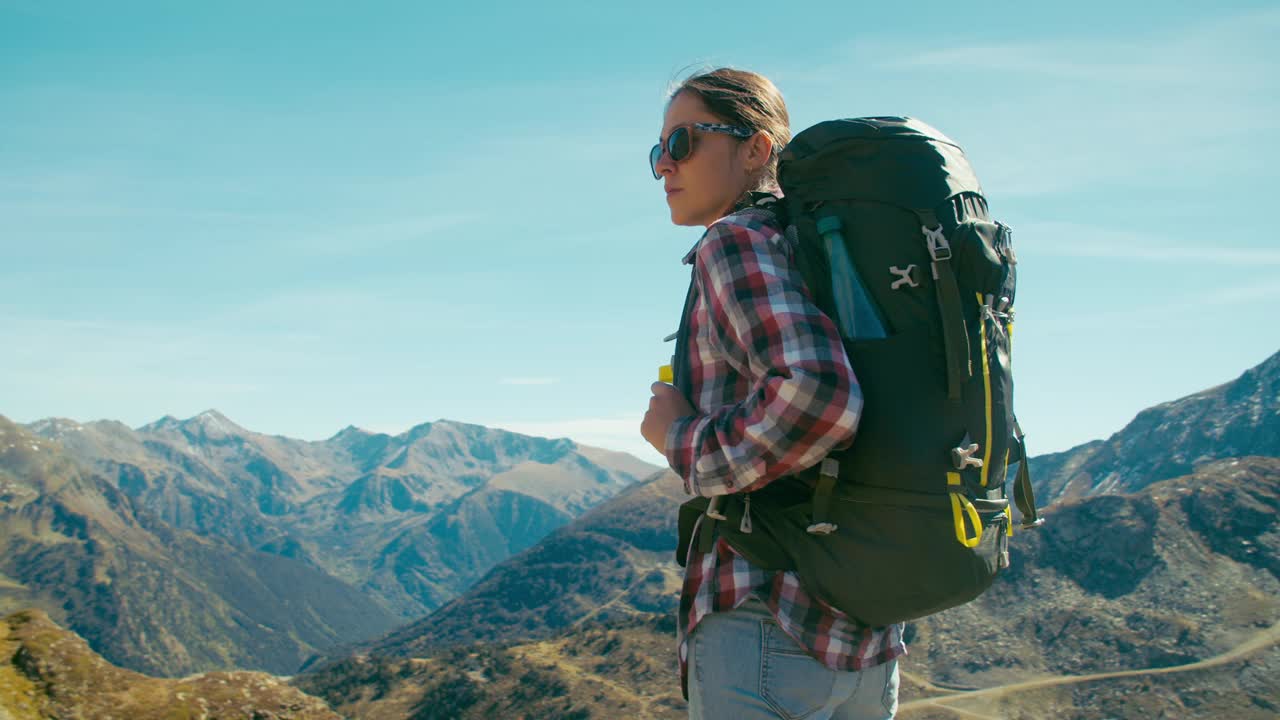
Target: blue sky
[{"x": 309, "y": 215}]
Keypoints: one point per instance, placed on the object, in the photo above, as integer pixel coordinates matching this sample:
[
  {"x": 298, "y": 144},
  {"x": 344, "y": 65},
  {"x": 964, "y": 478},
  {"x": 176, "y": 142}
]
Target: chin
[{"x": 681, "y": 216}]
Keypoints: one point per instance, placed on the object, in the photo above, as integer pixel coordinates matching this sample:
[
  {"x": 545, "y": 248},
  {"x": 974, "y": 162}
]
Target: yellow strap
[
  {"x": 1008, "y": 514},
  {"x": 986, "y": 389},
  {"x": 959, "y": 506}
]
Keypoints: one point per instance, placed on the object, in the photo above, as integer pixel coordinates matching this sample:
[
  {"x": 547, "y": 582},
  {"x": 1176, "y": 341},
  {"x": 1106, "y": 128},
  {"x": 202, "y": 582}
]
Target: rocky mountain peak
[
  {"x": 1238, "y": 418},
  {"x": 213, "y": 424},
  {"x": 168, "y": 422},
  {"x": 210, "y": 426},
  {"x": 55, "y": 427},
  {"x": 350, "y": 432}
]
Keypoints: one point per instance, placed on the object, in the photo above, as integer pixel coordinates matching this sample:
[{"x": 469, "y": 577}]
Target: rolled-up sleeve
[{"x": 804, "y": 399}]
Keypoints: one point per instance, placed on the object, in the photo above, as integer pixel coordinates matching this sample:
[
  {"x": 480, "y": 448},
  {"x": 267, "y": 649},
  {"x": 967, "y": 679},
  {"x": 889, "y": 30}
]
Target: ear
[{"x": 759, "y": 148}]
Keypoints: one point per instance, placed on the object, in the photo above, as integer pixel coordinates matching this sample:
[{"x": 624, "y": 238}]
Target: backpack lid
[{"x": 897, "y": 160}]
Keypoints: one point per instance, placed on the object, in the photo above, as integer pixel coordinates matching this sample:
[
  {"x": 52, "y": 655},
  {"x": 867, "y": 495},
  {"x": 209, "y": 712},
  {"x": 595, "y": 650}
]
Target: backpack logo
[{"x": 904, "y": 277}]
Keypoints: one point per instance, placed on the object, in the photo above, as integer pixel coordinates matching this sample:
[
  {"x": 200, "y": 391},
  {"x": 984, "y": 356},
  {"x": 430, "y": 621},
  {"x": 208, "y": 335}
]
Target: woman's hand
[{"x": 666, "y": 405}]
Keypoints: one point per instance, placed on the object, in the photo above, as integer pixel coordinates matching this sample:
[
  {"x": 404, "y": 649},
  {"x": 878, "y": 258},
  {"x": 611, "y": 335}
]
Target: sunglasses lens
[{"x": 679, "y": 144}]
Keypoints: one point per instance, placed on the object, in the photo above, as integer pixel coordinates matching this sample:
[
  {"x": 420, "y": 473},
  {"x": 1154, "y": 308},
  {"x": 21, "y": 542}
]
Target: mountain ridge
[
  {"x": 365, "y": 513},
  {"x": 1234, "y": 418}
]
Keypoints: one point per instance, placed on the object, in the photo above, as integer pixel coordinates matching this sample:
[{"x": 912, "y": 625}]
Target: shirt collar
[
  {"x": 688, "y": 257},
  {"x": 752, "y": 199}
]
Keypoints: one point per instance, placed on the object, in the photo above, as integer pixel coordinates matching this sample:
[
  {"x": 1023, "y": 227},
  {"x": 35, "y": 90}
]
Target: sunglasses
[{"x": 679, "y": 143}]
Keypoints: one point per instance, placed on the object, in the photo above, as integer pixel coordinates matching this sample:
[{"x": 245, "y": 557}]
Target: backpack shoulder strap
[{"x": 680, "y": 360}]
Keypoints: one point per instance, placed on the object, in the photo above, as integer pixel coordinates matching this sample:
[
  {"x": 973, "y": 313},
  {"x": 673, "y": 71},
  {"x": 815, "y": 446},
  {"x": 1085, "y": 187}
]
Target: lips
[{"x": 672, "y": 191}]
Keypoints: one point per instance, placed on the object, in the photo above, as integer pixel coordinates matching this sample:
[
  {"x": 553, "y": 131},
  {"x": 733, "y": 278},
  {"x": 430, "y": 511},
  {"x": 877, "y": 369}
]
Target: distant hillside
[
  {"x": 614, "y": 562},
  {"x": 48, "y": 672},
  {"x": 150, "y": 597},
  {"x": 1238, "y": 418}
]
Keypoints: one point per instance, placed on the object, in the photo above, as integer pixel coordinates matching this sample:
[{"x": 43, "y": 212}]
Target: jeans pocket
[{"x": 791, "y": 682}]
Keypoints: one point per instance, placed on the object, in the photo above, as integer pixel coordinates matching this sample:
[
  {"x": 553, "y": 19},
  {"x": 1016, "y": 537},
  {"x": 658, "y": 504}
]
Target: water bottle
[{"x": 856, "y": 313}]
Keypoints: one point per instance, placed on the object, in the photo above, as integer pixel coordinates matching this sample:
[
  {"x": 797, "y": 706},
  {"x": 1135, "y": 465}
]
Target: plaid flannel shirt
[{"x": 774, "y": 393}]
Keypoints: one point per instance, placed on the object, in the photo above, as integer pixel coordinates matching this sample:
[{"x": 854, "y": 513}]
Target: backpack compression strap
[
  {"x": 955, "y": 335},
  {"x": 1024, "y": 495}
]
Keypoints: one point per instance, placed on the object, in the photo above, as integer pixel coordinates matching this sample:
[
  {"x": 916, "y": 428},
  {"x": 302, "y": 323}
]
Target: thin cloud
[
  {"x": 620, "y": 433},
  {"x": 1247, "y": 257},
  {"x": 1175, "y": 313},
  {"x": 1143, "y": 110},
  {"x": 1186, "y": 56},
  {"x": 362, "y": 237},
  {"x": 1086, "y": 241},
  {"x": 1243, "y": 294}
]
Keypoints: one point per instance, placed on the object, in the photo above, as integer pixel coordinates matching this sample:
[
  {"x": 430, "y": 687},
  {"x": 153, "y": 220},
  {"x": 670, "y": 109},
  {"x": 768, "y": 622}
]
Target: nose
[{"x": 665, "y": 165}]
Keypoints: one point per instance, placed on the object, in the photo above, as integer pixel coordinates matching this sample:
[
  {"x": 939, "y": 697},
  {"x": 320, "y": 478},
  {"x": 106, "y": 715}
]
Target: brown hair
[{"x": 741, "y": 97}]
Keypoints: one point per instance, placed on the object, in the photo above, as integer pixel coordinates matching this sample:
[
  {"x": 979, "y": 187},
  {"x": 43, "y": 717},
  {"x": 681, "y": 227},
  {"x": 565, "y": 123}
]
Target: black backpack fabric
[{"x": 895, "y": 244}]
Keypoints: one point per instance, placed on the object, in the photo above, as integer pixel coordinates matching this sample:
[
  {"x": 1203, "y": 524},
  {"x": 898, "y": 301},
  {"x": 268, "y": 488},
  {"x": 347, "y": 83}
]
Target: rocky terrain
[
  {"x": 48, "y": 672},
  {"x": 1234, "y": 419},
  {"x": 147, "y": 596}
]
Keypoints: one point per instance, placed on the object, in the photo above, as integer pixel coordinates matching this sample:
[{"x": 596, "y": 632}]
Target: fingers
[{"x": 662, "y": 389}]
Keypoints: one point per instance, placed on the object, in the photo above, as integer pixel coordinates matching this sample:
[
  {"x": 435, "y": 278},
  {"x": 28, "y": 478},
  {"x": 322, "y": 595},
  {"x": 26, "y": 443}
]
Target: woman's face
[{"x": 703, "y": 187}]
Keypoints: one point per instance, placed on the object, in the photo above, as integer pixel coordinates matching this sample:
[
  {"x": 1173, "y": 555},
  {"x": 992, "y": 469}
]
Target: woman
[{"x": 772, "y": 393}]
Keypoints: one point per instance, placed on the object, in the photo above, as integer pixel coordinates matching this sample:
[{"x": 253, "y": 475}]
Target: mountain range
[{"x": 196, "y": 545}]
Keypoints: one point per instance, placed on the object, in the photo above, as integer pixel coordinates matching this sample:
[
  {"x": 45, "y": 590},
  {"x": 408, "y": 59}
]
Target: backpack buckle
[
  {"x": 939, "y": 248},
  {"x": 830, "y": 468},
  {"x": 713, "y": 509},
  {"x": 828, "y": 473}
]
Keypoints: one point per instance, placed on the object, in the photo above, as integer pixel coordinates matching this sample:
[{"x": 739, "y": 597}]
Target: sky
[{"x": 309, "y": 215}]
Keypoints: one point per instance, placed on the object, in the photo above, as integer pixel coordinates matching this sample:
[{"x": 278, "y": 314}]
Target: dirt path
[
  {"x": 643, "y": 567},
  {"x": 1259, "y": 641}
]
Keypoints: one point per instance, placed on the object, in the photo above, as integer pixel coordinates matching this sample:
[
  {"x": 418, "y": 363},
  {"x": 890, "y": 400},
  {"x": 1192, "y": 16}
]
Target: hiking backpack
[{"x": 893, "y": 239}]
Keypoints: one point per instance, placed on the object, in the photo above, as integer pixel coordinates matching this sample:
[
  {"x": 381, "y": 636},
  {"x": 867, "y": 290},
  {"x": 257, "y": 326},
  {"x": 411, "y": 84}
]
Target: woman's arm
[{"x": 804, "y": 400}]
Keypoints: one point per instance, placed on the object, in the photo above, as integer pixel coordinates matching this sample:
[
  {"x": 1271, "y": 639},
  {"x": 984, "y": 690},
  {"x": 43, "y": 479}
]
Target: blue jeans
[{"x": 743, "y": 667}]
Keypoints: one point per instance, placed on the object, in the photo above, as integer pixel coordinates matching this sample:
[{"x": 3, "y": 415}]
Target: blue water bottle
[{"x": 856, "y": 313}]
